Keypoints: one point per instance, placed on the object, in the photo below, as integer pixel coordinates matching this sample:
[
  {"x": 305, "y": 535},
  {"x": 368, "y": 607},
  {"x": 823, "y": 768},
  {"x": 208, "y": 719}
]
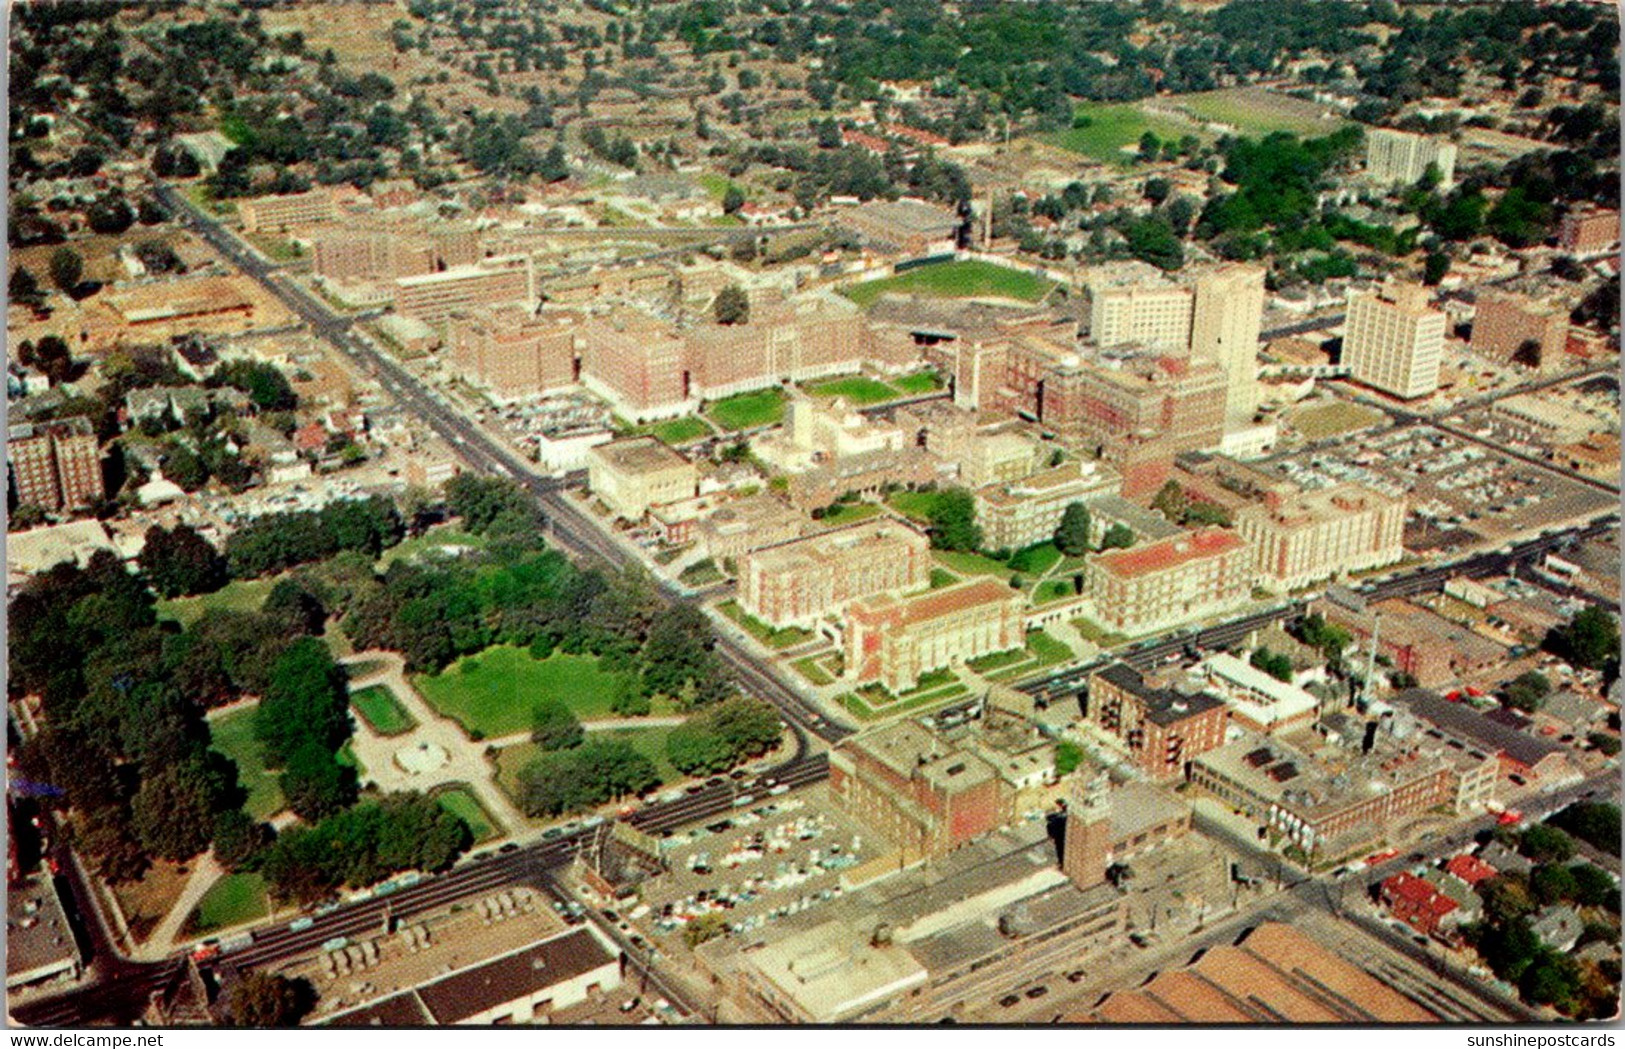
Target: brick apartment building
[
  {"x": 56, "y": 466},
  {"x": 1164, "y": 729},
  {"x": 803, "y": 580},
  {"x": 1505, "y": 322},
  {"x": 284, "y": 212},
  {"x": 1585, "y": 230},
  {"x": 1323, "y": 534},
  {"x": 894, "y": 640},
  {"x": 513, "y": 352},
  {"x": 1169, "y": 582}
]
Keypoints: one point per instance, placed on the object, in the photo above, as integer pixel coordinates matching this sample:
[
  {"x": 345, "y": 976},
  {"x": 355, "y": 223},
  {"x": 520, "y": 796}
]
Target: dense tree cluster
[
  {"x": 953, "y": 521},
  {"x": 363, "y": 845},
  {"x": 578, "y": 778},
  {"x": 302, "y": 721},
  {"x": 275, "y": 542},
  {"x": 721, "y": 737},
  {"x": 491, "y": 505},
  {"x": 1595, "y": 824},
  {"x": 178, "y": 562},
  {"x": 1590, "y": 639}
]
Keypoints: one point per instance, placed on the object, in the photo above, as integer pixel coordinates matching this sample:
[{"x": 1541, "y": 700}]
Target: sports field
[
  {"x": 964, "y": 279},
  {"x": 1257, "y": 111},
  {"x": 493, "y": 692},
  {"x": 747, "y": 410},
  {"x": 1114, "y": 130}
]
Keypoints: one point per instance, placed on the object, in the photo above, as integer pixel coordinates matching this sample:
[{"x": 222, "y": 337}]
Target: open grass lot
[
  {"x": 849, "y": 513},
  {"x": 461, "y": 802},
  {"x": 146, "y": 902},
  {"x": 379, "y": 708},
  {"x": 918, "y": 383},
  {"x": 443, "y": 541},
  {"x": 916, "y": 506},
  {"x": 1331, "y": 420},
  {"x": 1036, "y": 559},
  {"x": 233, "y": 736},
  {"x": 811, "y": 668},
  {"x": 1053, "y": 590},
  {"x": 493, "y": 692},
  {"x": 1113, "y": 127},
  {"x": 1089, "y": 630},
  {"x": 965, "y": 279},
  {"x": 782, "y": 637},
  {"x": 233, "y": 900},
  {"x": 1257, "y": 111},
  {"x": 748, "y": 410},
  {"x": 681, "y": 431},
  {"x": 857, "y": 389},
  {"x": 241, "y": 595},
  {"x": 970, "y": 564},
  {"x": 277, "y": 249}
]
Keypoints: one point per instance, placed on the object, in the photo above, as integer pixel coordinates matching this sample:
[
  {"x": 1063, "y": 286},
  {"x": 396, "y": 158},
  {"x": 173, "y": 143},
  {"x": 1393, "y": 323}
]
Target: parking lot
[
  {"x": 1453, "y": 487},
  {"x": 753, "y": 867}
]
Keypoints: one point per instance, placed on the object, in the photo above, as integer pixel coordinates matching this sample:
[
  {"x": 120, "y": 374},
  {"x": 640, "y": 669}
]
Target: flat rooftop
[
  {"x": 1167, "y": 554},
  {"x": 639, "y": 455},
  {"x": 935, "y": 604}
]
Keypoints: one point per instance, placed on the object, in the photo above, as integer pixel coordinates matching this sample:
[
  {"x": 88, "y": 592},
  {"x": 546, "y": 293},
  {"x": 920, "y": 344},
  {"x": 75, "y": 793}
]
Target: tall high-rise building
[
  {"x": 1393, "y": 341},
  {"x": 1135, "y": 303},
  {"x": 1086, "y": 849},
  {"x": 56, "y": 466},
  {"x": 1225, "y": 318},
  {"x": 1401, "y": 158}
]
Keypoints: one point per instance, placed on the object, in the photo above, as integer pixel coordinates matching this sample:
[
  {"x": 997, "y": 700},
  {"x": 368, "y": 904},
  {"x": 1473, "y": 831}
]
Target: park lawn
[
  {"x": 492, "y": 692},
  {"x": 380, "y": 709},
  {"x": 746, "y": 411},
  {"x": 1036, "y": 559},
  {"x": 1049, "y": 650},
  {"x": 432, "y": 543},
  {"x": 1331, "y": 420},
  {"x": 963, "y": 279},
  {"x": 461, "y": 802},
  {"x": 1052, "y": 590},
  {"x": 1112, "y": 127},
  {"x": 782, "y": 637},
  {"x": 240, "y": 595},
  {"x": 919, "y": 382},
  {"x": 970, "y": 564},
  {"x": 856, "y": 389},
  {"x": 849, "y": 513},
  {"x": 998, "y": 660},
  {"x": 233, "y": 736},
  {"x": 233, "y": 900},
  {"x": 916, "y": 506}
]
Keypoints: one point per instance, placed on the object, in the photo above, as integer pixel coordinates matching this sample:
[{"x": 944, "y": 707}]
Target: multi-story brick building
[
  {"x": 1333, "y": 805},
  {"x": 512, "y": 351},
  {"x": 1585, "y": 230},
  {"x": 1399, "y": 158},
  {"x": 1163, "y": 729},
  {"x": 1169, "y": 582},
  {"x": 894, "y": 640},
  {"x": 284, "y": 212},
  {"x": 634, "y": 474},
  {"x": 799, "y": 339},
  {"x": 1515, "y": 328},
  {"x": 1323, "y": 534},
  {"x": 635, "y": 362},
  {"x": 910, "y": 226},
  {"x": 736, "y": 528},
  {"x": 801, "y": 581},
  {"x": 56, "y": 466},
  {"x": 369, "y": 255},
  {"x": 1028, "y": 511},
  {"x": 433, "y": 297},
  {"x": 865, "y": 473},
  {"x": 1393, "y": 341}
]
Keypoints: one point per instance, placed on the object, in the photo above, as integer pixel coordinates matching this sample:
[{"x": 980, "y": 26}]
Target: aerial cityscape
[{"x": 813, "y": 512}]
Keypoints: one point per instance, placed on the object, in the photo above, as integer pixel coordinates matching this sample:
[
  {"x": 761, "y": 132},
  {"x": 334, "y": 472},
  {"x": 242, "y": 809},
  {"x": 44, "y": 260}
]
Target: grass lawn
[
  {"x": 277, "y": 249},
  {"x": 1330, "y": 420},
  {"x": 1036, "y": 559},
  {"x": 380, "y": 709},
  {"x": 1089, "y": 630},
  {"x": 146, "y": 902},
  {"x": 773, "y": 638},
  {"x": 916, "y": 506},
  {"x": 941, "y": 577},
  {"x": 919, "y": 382},
  {"x": 461, "y": 802},
  {"x": 492, "y": 692},
  {"x": 969, "y": 278},
  {"x": 748, "y": 410},
  {"x": 998, "y": 660},
  {"x": 242, "y": 595},
  {"x": 857, "y": 389},
  {"x": 810, "y": 668},
  {"x": 346, "y": 757},
  {"x": 681, "y": 431},
  {"x": 848, "y": 513},
  {"x": 432, "y": 543},
  {"x": 715, "y": 184},
  {"x": 1113, "y": 126},
  {"x": 970, "y": 564},
  {"x": 233, "y": 900},
  {"x": 1052, "y": 590},
  {"x": 701, "y": 573},
  {"x": 233, "y": 736},
  {"x": 1049, "y": 650}
]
